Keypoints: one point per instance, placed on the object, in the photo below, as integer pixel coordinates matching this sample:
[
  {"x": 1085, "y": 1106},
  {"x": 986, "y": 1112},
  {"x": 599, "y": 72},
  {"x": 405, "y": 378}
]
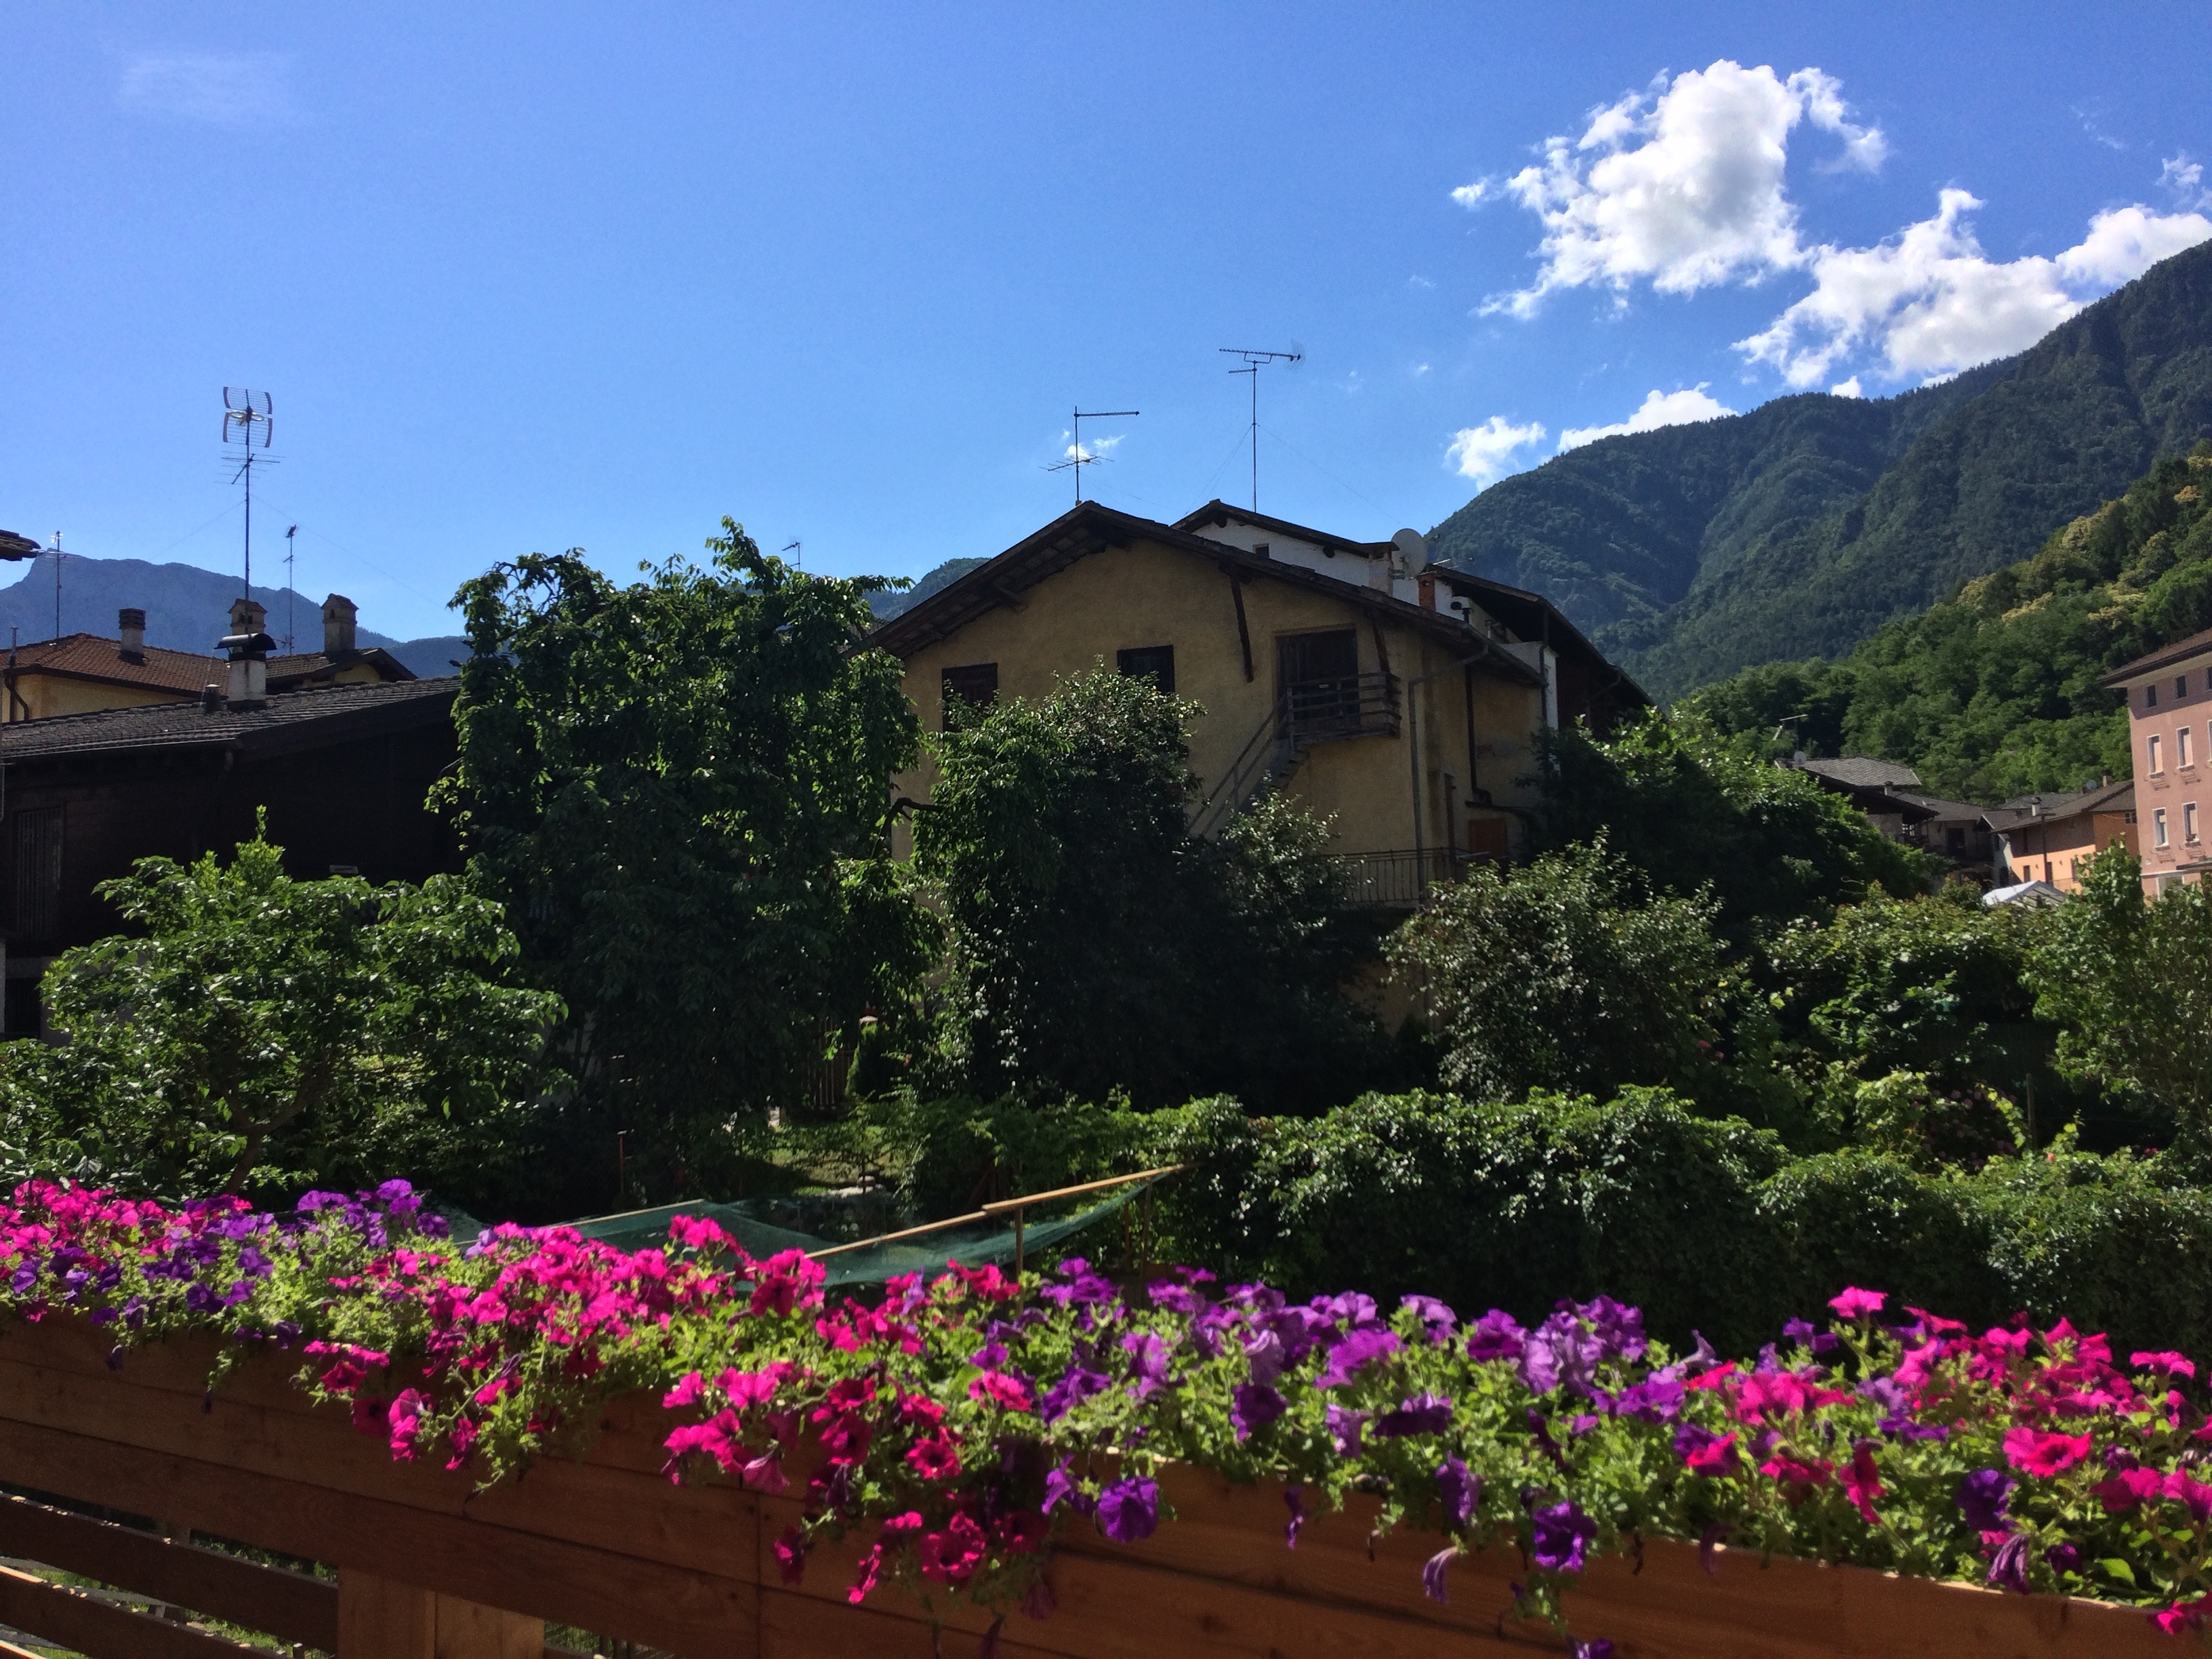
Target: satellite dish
[{"x": 1413, "y": 547}]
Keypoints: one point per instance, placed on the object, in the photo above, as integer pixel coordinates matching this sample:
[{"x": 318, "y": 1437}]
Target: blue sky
[{"x": 530, "y": 277}]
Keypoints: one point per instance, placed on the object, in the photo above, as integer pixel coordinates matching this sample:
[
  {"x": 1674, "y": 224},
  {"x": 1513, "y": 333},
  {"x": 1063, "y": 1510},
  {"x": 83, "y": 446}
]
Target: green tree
[
  {"x": 1098, "y": 944},
  {"x": 257, "y": 1032},
  {"x": 1694, "y": 810},
  {"x": 679, "y": 791},
  {"x": 1561, "y": 975},
  {"x": 2131, "y": 980}
]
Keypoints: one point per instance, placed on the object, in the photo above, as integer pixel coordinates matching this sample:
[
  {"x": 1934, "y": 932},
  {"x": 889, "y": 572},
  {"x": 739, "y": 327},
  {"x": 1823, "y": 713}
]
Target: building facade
[
  {"x": 2052, "y": 837},
  {"x": 1401, "y": 701},
  {"x": 2169, "y": 695}
]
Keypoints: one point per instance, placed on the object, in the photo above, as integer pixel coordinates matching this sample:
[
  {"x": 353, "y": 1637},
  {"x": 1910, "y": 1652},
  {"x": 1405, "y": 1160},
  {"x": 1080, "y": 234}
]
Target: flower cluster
[{"x": 953, "y": 1425}]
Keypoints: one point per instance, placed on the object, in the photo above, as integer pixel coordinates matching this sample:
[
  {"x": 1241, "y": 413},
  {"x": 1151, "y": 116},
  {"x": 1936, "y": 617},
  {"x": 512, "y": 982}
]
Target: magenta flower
[
  {"x": 1855, "y": 1303},
  {"x": 2166, "y": 1364},
  {"x": 2033, "y": 1451},
  {"x": 2127, "y": 1488},
  {"x": 2195, "y": 1494}
]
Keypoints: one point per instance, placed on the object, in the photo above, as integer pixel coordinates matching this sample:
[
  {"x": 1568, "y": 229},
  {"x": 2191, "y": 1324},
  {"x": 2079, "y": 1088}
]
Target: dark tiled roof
[
  {"x": 1218, "y": 512},
  {"x": 1862, "y": 772},
  {"x": 2062, "y": 805},
  {"x": 2195, "y": 645},
  {"x": 292, "y": 720}
]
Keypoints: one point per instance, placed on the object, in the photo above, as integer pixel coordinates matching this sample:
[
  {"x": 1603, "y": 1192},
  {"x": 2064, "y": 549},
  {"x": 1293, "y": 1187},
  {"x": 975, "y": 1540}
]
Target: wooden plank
[
  {"x": 807, "y": 1627},
  {"x": 381, "y": 1617},
  {"x": 697, "y": 1614},
  {"x": 99, "y": 1630},
  {"x": 289, "y": 1606},
  {"x": 706, "y": 1527},
  {"x": 468, "y": 1629}
]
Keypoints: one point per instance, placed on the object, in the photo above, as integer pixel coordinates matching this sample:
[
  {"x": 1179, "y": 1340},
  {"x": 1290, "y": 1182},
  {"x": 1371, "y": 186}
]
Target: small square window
[
  {"x": 973, "y": 686},
  {"x": 2157, "y": 754},
  {"x": 2157, "y": 828},
  {"x": 2150, "y": 696},
  {"x": 1152, "y": 662},
  {"x": 2180, "y": 687},
  {"x": 2188, "y": 823}
]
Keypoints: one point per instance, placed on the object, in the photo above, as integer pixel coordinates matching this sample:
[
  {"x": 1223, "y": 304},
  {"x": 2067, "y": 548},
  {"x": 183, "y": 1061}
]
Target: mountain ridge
[{"x": 1798, "y": 528}]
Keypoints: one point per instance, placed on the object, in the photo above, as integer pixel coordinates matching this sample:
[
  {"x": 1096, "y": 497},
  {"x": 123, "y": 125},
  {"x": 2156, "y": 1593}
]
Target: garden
[{"x": 1738, "y": 1200}]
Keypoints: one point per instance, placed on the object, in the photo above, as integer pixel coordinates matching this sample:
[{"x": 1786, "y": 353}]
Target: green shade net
[{"x": 971, "y": 1246}]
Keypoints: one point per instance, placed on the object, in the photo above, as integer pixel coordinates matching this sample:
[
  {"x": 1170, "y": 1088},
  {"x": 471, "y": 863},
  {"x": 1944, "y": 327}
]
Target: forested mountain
[
  {"x": 1798, "y": 529},
  {"x": 1996, "y": 692},
  {"x": 889, "y": 602}
]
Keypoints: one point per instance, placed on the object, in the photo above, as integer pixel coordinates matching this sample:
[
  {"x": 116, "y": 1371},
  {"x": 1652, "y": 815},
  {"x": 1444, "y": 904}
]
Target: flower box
[{"x": 607, "y": 1543}]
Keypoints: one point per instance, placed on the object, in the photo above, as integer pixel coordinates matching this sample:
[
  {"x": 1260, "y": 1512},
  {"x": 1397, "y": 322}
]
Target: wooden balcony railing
[
  {"x": 426, "y": 1567},
  {"x": 1350, "y": 706}
]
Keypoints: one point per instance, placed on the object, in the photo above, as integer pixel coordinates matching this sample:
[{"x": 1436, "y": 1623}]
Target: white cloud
[
  {"x": 1484, "y": 452},
  {"x": 1098, "y": 449},
  {"x": 1658, "y": 409},
  {"x": 231, "y": 89},
  {"x": 1850, "y": 388},
  {"x": 1930, "y": 303},
  {"x": 2185, "y": 179},
  {"x": 1681, "y": 186}
]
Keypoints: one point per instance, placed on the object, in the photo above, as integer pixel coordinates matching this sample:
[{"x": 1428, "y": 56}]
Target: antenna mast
[
  {"x": 1254, "y": 361},
  {"x": 291, "y": 592},
  {"x": 1076, "y": 459},
  {"x": 248, "y": 421},
  {"x": 57, "y": 585}
]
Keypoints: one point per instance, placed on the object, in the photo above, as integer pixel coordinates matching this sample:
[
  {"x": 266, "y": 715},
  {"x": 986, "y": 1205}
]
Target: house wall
[
  {"x": 1148, "y": 595},
  {"x": 2059, "y": 850},
  {"x": 2173, "y": 788},
  {"x": 45, "y": 695}
]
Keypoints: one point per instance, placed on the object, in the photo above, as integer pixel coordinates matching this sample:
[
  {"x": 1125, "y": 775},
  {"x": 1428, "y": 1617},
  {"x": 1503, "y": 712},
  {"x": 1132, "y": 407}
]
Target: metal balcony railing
[
  {"x": 1401, "y": 880},
  {"x": 1348, "y": 706}
]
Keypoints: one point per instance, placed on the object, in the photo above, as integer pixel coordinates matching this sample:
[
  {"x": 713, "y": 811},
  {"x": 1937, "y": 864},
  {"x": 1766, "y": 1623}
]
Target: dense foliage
[
  {"x": 1549, "y": 975},
  {"x": 1098, "y": 946},
  {"x": 955, "y": 1425},
  {"x": 1800, "y": 528},
  {"x": 1707, "y": 1223},
  {"x": 677, "y": 790},
  {"x": 1996, "y": 691},
  {"x": 2129, "y": 979},
  {"x": 259, "y": 1033},
  {"x": 1696, "y": 811}
]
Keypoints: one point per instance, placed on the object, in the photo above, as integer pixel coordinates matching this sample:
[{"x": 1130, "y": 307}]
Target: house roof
[
  {"x": 1533, "y": 617},
  {"x": 2195, "y": 645},
  {"x": 1861, "y": 772},
  {"x": 2060, "y": 806},
  {"x": 1944, "y": 811},
  {"x": 96, "y": 658},
  {"x": 296, "y": 720},
  {"x": 1091, "y": 528},
  {"x": 1218, "y": 512}
]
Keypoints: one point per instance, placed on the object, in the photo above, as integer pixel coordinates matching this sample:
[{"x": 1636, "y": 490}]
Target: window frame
[
  {"x": 2157, "y": 828},
  {"x": 2157, "y": 756},
  {"x": 948, "y": 691},
  {"x": 1124, "y": 656}
]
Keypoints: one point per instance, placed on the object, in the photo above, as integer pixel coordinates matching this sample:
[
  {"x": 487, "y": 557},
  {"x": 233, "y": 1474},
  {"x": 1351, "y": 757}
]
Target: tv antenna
[
  {"x": 57, "y": 584},
  {"x": 798, "y": 553},
  {"x": 1078, "y": 458},
  {"x": 1253, "y": 362},
  {"x": 248, "y": 423},
  {"x": 291, "y": 592}
]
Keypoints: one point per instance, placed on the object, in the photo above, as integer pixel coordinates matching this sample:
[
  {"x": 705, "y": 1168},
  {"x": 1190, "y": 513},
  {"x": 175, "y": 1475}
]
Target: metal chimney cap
[{"x": 245, "y": 644}]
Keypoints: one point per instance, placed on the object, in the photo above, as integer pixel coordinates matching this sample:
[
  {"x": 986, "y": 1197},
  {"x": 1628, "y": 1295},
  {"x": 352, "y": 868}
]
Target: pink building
[{"x": 2170, "y": 724}]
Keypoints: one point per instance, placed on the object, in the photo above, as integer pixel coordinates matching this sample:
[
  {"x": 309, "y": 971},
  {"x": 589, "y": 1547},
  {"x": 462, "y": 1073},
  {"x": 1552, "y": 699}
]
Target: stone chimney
[
  {"x": 248, "y": 645},
  {"x": 130, "y": 634},
  {"x": 339, "y": 614}
]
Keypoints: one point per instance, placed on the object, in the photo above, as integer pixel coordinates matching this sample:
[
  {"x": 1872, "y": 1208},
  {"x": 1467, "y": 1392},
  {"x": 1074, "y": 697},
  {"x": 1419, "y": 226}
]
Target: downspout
[{"x": 1413, "y": 757}]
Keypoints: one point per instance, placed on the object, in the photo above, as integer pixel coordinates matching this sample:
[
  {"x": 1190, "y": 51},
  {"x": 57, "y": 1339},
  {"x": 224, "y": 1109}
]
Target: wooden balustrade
[{"x": 429, "y": 1568}]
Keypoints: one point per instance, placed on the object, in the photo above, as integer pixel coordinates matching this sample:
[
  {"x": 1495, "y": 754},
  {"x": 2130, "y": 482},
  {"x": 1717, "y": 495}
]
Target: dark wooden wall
[{"x": 357, "y": 804}]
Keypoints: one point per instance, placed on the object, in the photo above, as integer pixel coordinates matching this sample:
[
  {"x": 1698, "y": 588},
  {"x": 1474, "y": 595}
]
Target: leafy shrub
[{"x": 1710, "y": 1225}]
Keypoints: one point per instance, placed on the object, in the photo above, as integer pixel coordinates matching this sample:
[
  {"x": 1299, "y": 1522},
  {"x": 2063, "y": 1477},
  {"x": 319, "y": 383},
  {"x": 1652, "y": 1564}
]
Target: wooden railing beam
[
  {"x": 380, "y": 1617},
  {"x": 99, "y": 1630}
]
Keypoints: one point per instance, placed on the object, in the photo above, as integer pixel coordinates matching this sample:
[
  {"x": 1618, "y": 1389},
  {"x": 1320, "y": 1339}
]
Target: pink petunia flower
[
  {"x": 2032, "y": 1451},
  {"x": 1855, "y": 1304}
]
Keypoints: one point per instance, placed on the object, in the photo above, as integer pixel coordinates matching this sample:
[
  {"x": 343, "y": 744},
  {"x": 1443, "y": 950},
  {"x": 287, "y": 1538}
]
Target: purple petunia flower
[
  {"x": 1657, "y": 1399},
  {"x": 1077, "y": 1383},
  {"x": 1982, "y": 1500},
  {"x": 1252, "y": 1406},
  {"x": 1059, "y": 1487},
  {"x": 1347, "y": 1358},
  {"x": 1496, "y": 1336},
  {"x": 1433, "y": 1572},
  {"x": 1263, "y": 1352},
  {"x": 1562, "y": 1533},
  {"x": 2008, "y": 1567},
  {"x": 1345, "y": 1423},
  {"x": 2063, "y": 1558},
  {"x": 1561, "y": 1354},
  {"x": 1618, "y": 1328},
  {"x": 1597, "y": 1647},
  {"x": 1148, "y": 1368},
  {"x": 1424, "y": 1413},
  {"x": 1459, "y": 1490},
  {"x": 1129, "y": 1508},
  {"x": 1438, "y": 1320}
]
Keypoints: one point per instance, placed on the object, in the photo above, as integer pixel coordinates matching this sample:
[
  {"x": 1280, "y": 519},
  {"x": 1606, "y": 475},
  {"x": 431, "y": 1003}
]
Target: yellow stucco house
[{"x": 1399, "y": 699}]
